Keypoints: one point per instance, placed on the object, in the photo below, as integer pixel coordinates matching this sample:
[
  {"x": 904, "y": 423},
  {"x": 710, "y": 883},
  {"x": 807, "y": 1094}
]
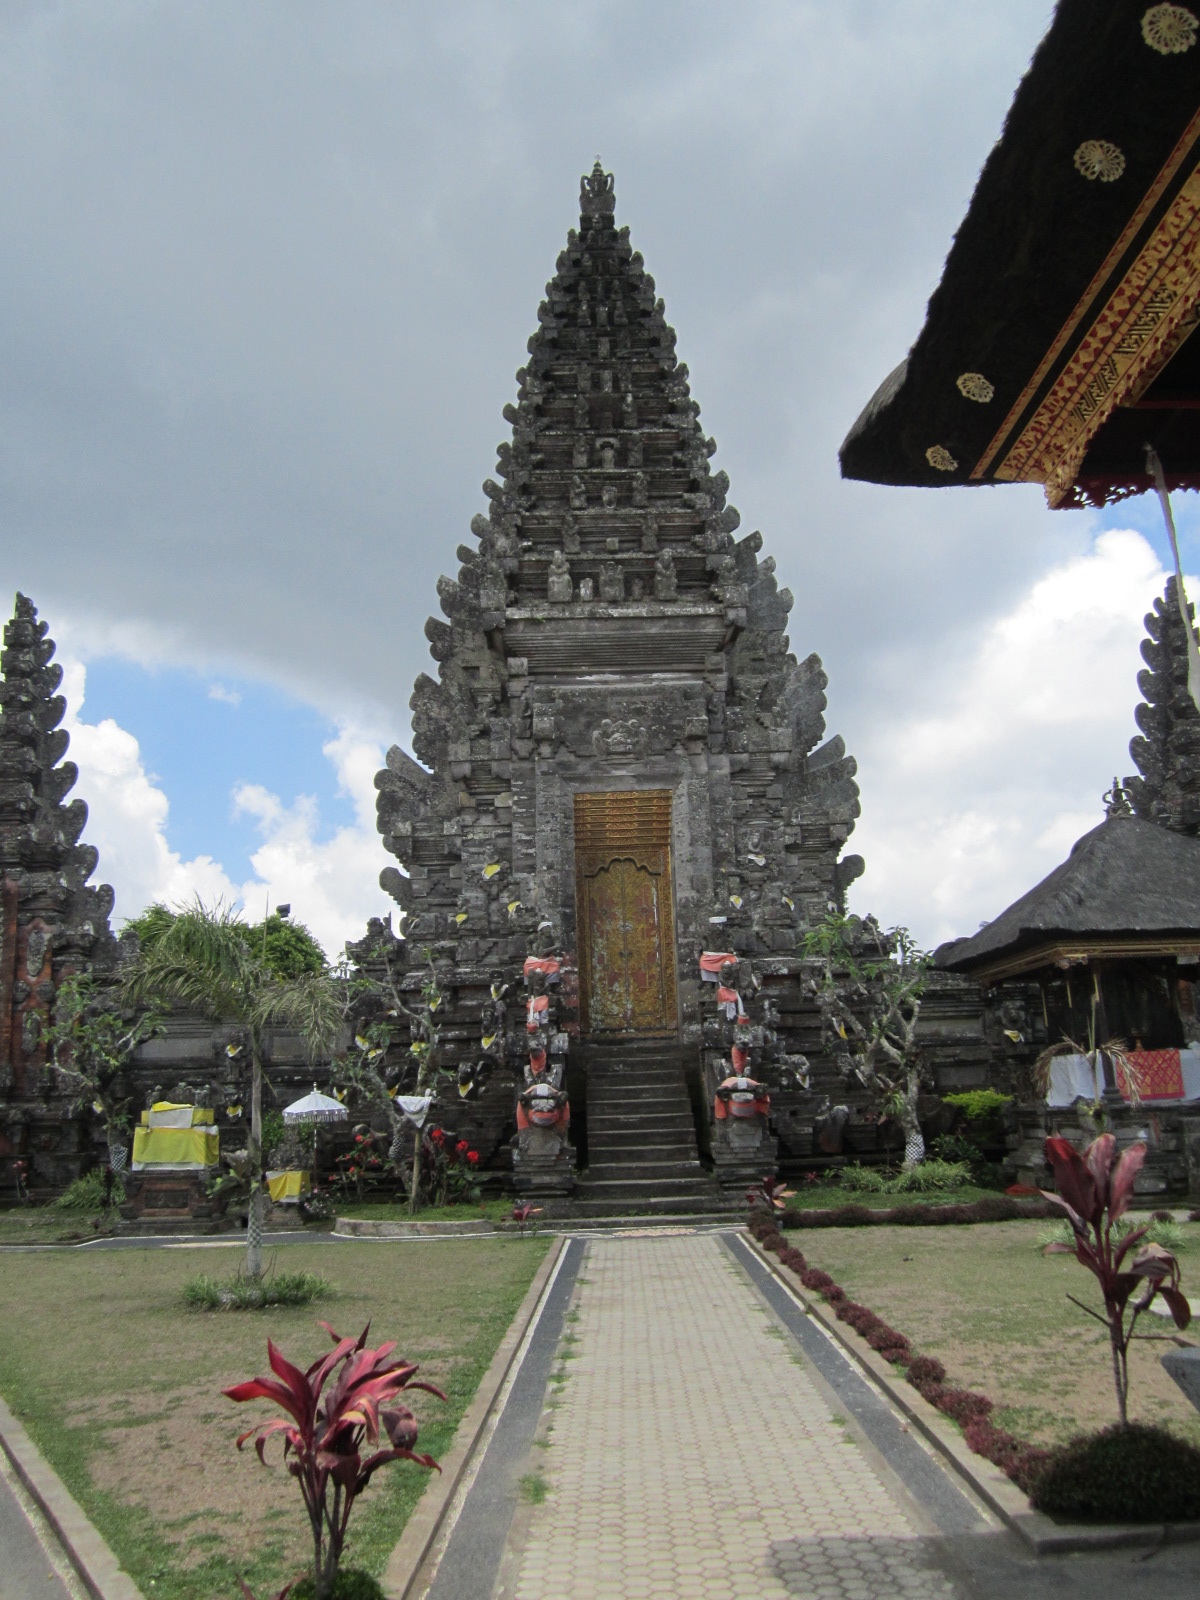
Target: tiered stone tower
[
  {"x": 621, "y": 755},
  {"x": 1167, "y": 752},
  {"x": 51, "y": 922}
]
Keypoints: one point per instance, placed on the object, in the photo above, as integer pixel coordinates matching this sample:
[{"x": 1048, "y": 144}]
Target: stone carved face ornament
[
  {"x": 628, "y": 738},
  {"x": 35, "y": 951}
]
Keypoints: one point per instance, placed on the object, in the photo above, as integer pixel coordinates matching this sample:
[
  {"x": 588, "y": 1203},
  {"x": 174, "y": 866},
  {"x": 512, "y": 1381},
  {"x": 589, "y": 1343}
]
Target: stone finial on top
[
  {"x": 597, "y": 197},
  {"x": 1116, "y": 801}
]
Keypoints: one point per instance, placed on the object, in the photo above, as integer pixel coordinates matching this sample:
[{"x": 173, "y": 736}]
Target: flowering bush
[
  {"x": 365, "y": 1163},
  {"x": 451, "y": 1169}
]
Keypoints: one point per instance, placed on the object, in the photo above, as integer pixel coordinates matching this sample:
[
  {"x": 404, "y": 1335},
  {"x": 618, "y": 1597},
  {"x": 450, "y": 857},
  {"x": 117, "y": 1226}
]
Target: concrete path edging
[
  {"x": 1043, "y": 1535},
  {"x": 99, "y": 1570},
  {"x": 425, "y": 1523}
]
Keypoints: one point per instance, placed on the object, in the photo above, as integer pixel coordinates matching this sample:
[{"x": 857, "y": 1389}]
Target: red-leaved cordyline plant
[
  {"x": 1095, "y": 1189},
  {"x": 523, "y": 1212},
  {"x": 326, "y": 1433},
  {"x": 769, "y": 1194}
]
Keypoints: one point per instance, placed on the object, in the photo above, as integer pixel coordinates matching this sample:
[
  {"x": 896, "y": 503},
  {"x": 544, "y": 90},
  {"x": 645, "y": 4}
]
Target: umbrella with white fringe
[{"x": 315, "y": 1107}]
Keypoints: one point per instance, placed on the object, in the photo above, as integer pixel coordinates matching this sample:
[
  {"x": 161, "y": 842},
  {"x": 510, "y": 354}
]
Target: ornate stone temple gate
[{"x": 620, "y": 761}]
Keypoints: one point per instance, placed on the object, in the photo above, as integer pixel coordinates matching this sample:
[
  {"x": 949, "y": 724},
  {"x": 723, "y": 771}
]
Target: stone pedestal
[
  {"x": 743, "y": 1152},
  {"x": 168, "y": 1202},
  {"x": 543, "y": 1162}
]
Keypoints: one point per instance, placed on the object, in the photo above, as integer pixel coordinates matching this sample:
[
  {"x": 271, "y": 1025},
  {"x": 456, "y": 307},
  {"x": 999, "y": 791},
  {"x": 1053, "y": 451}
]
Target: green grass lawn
[
  {"x": 120, "y": 1387},
  {"x": 44, "y": 1225},
  {"x": 994, "y": 1309}
]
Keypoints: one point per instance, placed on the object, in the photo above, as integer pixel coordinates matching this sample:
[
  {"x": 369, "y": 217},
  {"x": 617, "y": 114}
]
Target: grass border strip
[
  {"x": 423, "y": 1526},
  {"x": 1040, "y": 1532},
  {"x": 99, "y": 1570}
]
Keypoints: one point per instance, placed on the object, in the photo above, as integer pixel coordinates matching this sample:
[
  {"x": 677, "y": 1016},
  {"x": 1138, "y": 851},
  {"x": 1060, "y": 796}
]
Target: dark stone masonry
[
  {"x": 618, "y": 722},
  {"x": 51, "y": 921}
]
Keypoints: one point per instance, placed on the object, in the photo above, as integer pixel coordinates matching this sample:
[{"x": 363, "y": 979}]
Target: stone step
[
  {"x": 643, "y": 1171},
  {"x": 635, "y": 1071},
  {"x": 644, "y": 1101},
  {"x": 603, "y": 1146},
  {"x": 628, "y": 1212},
  {"x": 647, "y": 1188}
]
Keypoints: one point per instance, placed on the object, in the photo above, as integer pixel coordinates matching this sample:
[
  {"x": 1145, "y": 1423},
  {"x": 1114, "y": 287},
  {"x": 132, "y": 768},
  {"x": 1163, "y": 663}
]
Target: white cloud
[
  {"x": 982, "y": 790},
  {"x": 228, "y": 697},
  {"x": 332, "y": 883}
]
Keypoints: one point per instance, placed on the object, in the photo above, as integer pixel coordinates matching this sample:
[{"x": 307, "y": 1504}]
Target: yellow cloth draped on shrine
[
  {"x": 175, "y": 1147},
  {"x": 288, "y": 1185},
  {"x": 166, "y": 1114}
]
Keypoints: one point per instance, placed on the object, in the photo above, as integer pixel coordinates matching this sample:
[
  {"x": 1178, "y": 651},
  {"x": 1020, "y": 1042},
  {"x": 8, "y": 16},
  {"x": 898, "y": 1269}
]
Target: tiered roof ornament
[
  {"x": 51, "y": 921},
  {"x": 607, "y": 549},
  {"x": 1167, "y": 751}
]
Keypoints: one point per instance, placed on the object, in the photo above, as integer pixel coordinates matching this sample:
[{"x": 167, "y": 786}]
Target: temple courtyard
[{"x": 673, "y": 1423}]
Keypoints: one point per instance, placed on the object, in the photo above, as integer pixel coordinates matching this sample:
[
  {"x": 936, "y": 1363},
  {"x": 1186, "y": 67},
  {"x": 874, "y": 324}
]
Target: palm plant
[{"x": 206, "y": 962}]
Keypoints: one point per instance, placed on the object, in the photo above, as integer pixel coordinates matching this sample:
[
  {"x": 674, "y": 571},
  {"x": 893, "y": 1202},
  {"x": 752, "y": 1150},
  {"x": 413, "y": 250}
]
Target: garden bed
[
  {"x": 119, "y": 1385},
  {"x": 993, "y": 1309}
]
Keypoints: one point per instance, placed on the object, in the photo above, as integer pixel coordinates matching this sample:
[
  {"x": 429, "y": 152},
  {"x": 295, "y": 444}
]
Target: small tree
[
  {"x": 92, "y": 1039},
  {"x": 365, "y": 1067},
  {"x": 868, "y": 984},
  {"x": 205, "y": 962}
]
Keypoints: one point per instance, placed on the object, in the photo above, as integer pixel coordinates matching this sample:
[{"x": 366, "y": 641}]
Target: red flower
[
  {"x": 358, "y": 1138},
  {"x": 461, "y": 1147},
  {"x": 437, "y": 1136},
  {"x": 473, "y": 1157}
]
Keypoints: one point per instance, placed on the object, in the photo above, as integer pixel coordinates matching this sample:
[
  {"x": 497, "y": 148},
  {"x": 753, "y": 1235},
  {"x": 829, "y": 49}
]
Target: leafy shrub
[
  {"x": 977, "y": 1104},
  {"x": 1022, "y": 1462},
  {"x": 992, "y": 1208},
  {"x": 349, "y": 1585},
  {"x": 864, "y": 1180},
  {"x": 962, "y": 1405},
  {"x": 926, "y": 1177},
  {"x": 1169, "y": 1234},
  {"x": 1135, "y": 1473},
  {"x": 249, "y": 1294},
  {"x": 274, "y": 1132},
  {"x": 926, "y": 1369},
  {"x": 88, "y": 1193}
]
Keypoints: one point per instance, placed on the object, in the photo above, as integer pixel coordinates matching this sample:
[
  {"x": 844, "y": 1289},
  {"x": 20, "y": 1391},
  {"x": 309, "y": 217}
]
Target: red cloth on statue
[
  {"x": 548, "y": 966},
  {"x": 1159, "y": 1074},
  {"x": 711, "y": 962},
  {"x": 537, "y": 1012}
]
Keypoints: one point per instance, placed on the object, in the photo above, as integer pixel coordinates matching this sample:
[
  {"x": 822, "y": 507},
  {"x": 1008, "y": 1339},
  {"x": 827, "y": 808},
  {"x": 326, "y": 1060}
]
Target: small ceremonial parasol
[{"x": 315, "y": 1107}]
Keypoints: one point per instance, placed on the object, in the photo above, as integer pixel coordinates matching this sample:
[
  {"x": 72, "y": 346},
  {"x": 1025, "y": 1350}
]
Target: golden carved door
[{"x": 626, "y": 912}]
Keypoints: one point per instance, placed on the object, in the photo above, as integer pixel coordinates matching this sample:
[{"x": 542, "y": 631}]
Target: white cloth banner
[
  {"x": 1071, "y": 1079},
  {"x": 415, "y": 1107}
]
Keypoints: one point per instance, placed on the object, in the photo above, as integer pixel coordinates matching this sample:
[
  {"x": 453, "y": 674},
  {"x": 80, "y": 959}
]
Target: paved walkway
[
  {"x": 693, "y": 1455},
  {"x": 33, "y": 1565}
]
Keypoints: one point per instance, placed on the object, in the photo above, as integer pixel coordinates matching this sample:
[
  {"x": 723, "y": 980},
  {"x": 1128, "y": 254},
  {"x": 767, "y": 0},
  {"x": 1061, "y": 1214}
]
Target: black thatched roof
[
  {"x": 1125, "y": 879},
  {"x": 1061, "y": 292}
]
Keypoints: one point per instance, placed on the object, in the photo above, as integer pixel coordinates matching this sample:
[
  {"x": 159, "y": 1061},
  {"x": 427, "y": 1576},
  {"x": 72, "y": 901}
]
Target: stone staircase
[{"x": 641, "y": 1137}]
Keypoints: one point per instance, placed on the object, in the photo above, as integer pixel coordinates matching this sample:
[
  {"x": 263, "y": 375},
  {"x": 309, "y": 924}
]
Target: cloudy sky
[{"x": 266, "y": 274}]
